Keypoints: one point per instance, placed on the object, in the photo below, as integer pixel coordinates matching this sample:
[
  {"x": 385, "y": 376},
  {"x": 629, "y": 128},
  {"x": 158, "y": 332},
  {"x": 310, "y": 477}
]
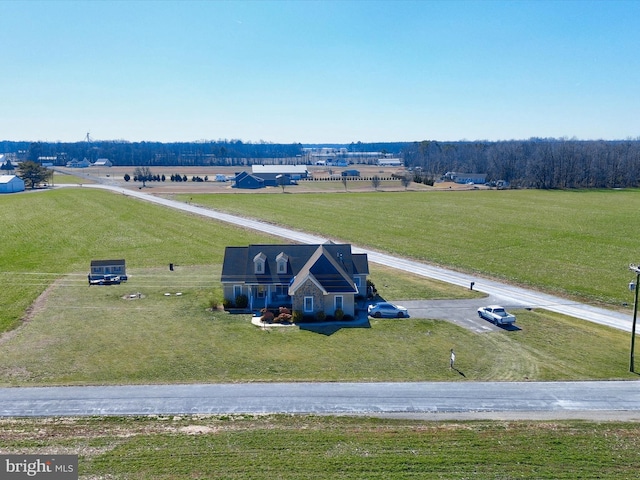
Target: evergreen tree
[{"x": 33, "y": 173}]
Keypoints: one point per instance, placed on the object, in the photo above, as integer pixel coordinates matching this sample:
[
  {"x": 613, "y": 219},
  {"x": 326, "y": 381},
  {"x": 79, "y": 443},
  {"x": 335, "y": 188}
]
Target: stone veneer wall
[{"x": 308, "y": 289}]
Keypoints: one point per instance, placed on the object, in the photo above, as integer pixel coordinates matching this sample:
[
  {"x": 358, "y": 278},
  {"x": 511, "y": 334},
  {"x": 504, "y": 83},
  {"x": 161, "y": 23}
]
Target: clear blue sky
[{"x": 319, "y": 72}]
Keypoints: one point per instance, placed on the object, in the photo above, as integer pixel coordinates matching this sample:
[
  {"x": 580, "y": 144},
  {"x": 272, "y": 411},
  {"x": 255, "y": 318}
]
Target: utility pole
[{"x": 636, "y": 269}]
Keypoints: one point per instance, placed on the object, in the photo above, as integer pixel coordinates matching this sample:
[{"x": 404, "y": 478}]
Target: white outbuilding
[{"x": 11, "y": 184}]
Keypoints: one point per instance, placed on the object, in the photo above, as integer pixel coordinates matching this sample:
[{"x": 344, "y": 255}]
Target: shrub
[
  {"x": 371, "y": 289},
  {"x": 284, "y": 318},
  {"x": 321, "y": 316},
  {"x": 297, "y": 316},
  {"x": 242, "y": 301},
  {"x": 339, "y": 315},
  {"x": 227, "y": 304},
  {"x": 212, "y": 302},
  {"x": 267, "y": 316}
]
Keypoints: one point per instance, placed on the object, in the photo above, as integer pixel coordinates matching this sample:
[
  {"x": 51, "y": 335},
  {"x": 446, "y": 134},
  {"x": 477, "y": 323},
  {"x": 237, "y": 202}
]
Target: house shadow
[{"x": 329, "y": 328}]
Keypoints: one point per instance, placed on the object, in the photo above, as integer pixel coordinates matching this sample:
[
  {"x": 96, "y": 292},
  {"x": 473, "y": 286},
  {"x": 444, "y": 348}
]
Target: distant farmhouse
[
  {"x": 270, "y": 176},
  {"x": 102, "y": 162},
  {"x": 475, "y": 178},
  {"x": 11, "y": 184},
  {"x": 75, "y": 163},
  {"x": 8, "y": 162},
  {"x": 248, "y": 181},
  {"x": 308, "y": 278}
]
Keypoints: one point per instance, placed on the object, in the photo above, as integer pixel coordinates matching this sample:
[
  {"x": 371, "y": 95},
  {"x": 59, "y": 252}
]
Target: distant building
[
  {"x": 11, "y": 184},
  {"x": 336, "y": 162},
  {"x": 47, "y": 161},
  {"x": 75, "y": 163},
  {"x": 294, "y": 171},
  {"x": 475, "y": 178},
  {"x": 100, "y": 268},
  {"x": 102, "y": 162},
  {"x": 247, "y": 180},
  {"x": 389, "y": 162}
]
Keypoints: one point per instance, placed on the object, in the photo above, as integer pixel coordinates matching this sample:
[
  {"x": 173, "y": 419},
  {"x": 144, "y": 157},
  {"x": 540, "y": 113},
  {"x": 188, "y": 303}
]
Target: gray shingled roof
[{"x": 332, "y": 265}]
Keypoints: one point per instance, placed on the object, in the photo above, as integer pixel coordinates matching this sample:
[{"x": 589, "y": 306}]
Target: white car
[
  {"x": 496, "y": 314},
  {"x": 386, "y": 309}
]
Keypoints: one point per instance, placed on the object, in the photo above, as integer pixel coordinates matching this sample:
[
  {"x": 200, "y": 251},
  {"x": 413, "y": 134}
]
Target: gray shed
[{"x": 11, "y": 184}]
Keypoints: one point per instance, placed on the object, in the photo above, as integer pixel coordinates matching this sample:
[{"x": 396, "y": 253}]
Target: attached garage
[{"x": 11, "y": 184}]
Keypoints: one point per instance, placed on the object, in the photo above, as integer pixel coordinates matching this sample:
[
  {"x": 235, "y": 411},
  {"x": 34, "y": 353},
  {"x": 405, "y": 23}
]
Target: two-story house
[{"x": 307, "y": 278}]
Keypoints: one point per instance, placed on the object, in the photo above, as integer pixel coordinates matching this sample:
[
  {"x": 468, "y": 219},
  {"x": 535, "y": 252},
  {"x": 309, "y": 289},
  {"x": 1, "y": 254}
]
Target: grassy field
[
  {"x": 65, "y": 179},
  {"x": 135, "y": 333},
  {"x": 575, "y": 243},
  {"x": 108, "y": 335},
  {"x": 142, "y": 332},
  {"x": 47, "y": 234},
  {"x": 303, "y": 447}
]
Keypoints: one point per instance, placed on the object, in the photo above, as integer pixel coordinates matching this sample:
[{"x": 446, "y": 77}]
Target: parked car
[
  {"x": 496, "y": 314},
  {"x": 106, "y": 280},
  {"x": 386, "y": 309}
]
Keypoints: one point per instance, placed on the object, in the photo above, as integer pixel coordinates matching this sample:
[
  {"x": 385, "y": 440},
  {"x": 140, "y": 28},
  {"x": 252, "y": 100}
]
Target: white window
[
  {"x": 338, "y": 301},
  {"x": 282, "y": 259},
  {"x": 237, "y": 290},
  {"x": 259, "y": 262},
  {"x": 308, "y": 304}
]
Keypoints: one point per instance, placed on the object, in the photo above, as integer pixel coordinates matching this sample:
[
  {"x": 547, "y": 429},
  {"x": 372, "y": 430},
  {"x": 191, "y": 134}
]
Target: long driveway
[{"x": 431, "y": 400}]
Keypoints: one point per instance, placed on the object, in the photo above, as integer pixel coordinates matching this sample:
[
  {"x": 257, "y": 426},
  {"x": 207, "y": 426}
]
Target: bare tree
[{"x": 143, "y": 174}]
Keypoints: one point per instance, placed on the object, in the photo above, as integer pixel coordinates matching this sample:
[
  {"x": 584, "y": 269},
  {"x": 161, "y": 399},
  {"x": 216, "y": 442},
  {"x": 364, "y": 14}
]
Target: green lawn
[
  {"x": 66, "y": 179},
  {"x": 47, "y": 234},
  {"x": 90, "y": 335},
  {"x": 306, "y": 447},
  {"x": 576, "y": 243},
  {"x": 142, "y": 332}
]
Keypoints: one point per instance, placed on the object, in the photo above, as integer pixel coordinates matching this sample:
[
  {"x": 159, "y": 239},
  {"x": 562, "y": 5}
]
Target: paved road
[{"x": 439, "y": 400}]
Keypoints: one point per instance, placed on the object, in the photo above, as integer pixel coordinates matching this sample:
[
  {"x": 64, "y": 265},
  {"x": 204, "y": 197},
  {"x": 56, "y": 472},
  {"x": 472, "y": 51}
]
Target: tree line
[{"x": 533, "y": 163}]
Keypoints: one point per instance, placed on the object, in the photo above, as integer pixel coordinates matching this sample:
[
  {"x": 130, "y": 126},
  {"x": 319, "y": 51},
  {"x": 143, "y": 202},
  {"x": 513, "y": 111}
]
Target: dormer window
[
  {"x": 282, "y": 260},
  {"x": 259, "y": 262}
]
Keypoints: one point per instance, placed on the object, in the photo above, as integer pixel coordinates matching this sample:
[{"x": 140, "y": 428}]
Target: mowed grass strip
[
  {"x": 575, "y": 243},
  {"x": 307, "y": 447}
]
